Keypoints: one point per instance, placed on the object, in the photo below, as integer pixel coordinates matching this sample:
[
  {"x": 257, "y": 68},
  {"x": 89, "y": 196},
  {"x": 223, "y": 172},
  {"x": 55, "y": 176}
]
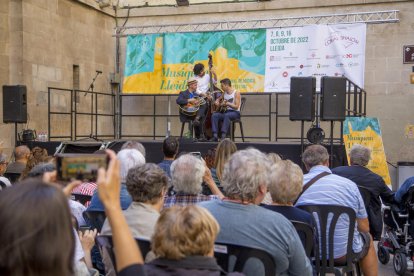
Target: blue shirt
[
  {"x": 96, "y": 204},
  {"x": 335, "y": 190},
  {"x": 165, "y": 165}
]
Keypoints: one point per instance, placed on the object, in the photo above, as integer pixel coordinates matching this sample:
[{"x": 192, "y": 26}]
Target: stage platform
[{"x": 154, "y": 153}]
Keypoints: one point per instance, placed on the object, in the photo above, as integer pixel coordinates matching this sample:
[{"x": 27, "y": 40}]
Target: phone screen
[{"x": 80, "y": 166}]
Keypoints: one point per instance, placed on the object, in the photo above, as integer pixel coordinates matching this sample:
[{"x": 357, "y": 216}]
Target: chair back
[
  {"x": 327, "y": 217},
  {"x": 242, "y": 104},
  {"x": 223, "y": 252},
  {"x": 13, "y": 177},
  {"x": 105, "y": 243},
  {"x": 307, "y": 235},
  {"x": 95, "y": 219},
  {"x": 82, "y": 199}
]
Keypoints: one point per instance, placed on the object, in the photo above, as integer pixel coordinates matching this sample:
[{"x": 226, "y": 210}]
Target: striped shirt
[
  {"x": 336, "y": 190},
  {"x": 186, "y": 199}
]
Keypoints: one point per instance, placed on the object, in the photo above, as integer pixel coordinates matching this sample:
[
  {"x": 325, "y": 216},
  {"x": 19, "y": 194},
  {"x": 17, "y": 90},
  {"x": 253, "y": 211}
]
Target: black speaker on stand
[{"x": 14, "y": 105}]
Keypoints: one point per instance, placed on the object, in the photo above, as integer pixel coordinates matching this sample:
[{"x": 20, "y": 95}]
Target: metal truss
[{"x": 375, "y": 17}]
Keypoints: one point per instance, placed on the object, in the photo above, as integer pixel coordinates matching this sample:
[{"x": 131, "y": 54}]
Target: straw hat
[{"x": 191, "y": 80}]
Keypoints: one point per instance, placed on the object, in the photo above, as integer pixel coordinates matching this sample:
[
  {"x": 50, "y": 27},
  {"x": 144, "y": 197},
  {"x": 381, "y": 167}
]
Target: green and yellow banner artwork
[
  {"x": 366, "y": 131},
  {"x": 161, "y": 63}
]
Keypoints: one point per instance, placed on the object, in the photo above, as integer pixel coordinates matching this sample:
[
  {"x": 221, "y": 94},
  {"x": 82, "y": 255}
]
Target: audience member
[
  {"x": 147, "y": 185},
  {"x": 14, "y": 169},
  {"x": 4, "y": 182},
  {"x": 87, "y": 240},
  {"x": 40, "y": 169},
  {"x": 286, "y": 180},
  {"x": 365, "y": 178},
  {"x": 274, "y": 158},
  {"x": 187, "y": 173},
  {"x": 245, "y": 179},
  {"x": 408, "y": 183},
  {"x": 210, "y": 157},
  {"x": 37, "y": 155},
  {"x": 170, "y": 149},
  {"x": 34, "y": 243},
  {"x": 128, "y": 159},
  {"x": 134, "y": 145},
  {"x": 328, "y": 188},
  {"x": 183, "y": 240}
]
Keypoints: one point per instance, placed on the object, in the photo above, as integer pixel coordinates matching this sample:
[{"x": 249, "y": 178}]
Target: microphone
[{"x": 99, "y": 72}]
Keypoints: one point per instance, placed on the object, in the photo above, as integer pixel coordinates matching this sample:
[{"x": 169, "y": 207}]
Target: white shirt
[
  {"x": 231, "y": 98},
  {"x": 203, "y": 83}
]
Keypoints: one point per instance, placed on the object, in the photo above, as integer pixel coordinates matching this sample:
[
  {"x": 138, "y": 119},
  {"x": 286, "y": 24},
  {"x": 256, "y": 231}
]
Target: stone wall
[
  {"x": 390, "y": 95},
  {"x": 43, "y": 40}
]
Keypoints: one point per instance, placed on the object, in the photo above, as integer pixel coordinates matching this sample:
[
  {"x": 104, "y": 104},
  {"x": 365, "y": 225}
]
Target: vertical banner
[
  {"x": 366, "y": 131},
  {"x": 237, "y": 55},
  {"x": 316, "y": 50}
]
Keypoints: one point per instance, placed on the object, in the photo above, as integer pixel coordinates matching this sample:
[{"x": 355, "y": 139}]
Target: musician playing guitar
[
  {"x": 189, "y": 97},
  {"x": 229, "y": 105}
]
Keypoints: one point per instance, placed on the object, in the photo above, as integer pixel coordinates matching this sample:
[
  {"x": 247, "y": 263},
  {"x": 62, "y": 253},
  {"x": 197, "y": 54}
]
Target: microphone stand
[{"x": 90, "y": 89}]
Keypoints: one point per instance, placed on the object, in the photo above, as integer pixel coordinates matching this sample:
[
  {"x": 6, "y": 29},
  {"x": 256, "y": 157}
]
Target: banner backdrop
[
  {"x": 366, "y": 131},
  {"x": 254, "y": 60},
  {"x": 162, "y": 63},
  {"x": 316, "y": 50}
]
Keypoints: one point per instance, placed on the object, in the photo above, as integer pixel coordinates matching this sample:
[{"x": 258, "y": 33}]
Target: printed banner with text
[
  {"x": 315, "y": 50},
  {"x": 366, "y": 131},
  {"x": 161, "y": 63}
]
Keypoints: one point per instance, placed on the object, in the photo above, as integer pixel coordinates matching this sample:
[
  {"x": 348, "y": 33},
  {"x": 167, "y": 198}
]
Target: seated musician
[
  {"x": 189, "y": 96},
  {"x": 228, "y": 110}
]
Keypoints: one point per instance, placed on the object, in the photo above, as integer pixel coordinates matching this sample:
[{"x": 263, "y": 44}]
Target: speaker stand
[
  {"x": 15, "y": 134},
  {"x": 331, "y": 157},
  {"x": 302, "y": 144}
]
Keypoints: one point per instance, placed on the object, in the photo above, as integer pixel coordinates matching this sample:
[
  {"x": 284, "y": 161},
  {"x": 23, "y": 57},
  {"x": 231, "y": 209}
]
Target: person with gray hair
[
  {"x": 4, "y": 182},
  {"x": 187, "y": 175},
  {"x": 134, "y": 145},
  {"x": 371, "y": 182},
  {"x": 246, "y": 177},
  {"x": 325, "y": 188},
  {"x": 147, "y": 184},
  {"x": 128, "y": 158}
]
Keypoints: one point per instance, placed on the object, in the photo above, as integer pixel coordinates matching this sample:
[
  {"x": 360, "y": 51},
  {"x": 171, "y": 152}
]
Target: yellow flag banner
[{"x": 366, "y": 131}]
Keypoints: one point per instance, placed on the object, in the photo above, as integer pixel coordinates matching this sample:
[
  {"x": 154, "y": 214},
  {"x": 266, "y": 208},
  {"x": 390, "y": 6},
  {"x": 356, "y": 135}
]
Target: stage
[{"x": 154, "y": 153}]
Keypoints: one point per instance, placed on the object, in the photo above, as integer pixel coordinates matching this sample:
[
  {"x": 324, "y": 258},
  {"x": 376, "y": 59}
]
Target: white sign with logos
[{"x": 315, "y": 50}]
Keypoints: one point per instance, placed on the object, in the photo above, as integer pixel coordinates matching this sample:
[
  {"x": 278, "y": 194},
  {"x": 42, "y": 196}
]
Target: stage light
[{"x": 183, "y": 3}]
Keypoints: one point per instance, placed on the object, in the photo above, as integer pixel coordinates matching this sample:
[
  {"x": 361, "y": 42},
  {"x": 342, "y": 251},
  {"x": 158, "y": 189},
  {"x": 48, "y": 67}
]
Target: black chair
[
  {"x": 82, "y": 199},
  {"x": 327, "y": 262},
  {"x": 190, "y": 122},
  {"x": 307, "y": 236},
  {"x": 13, "y": 177},
  {"x": 95, "y": 219},
  {"x": 224, "y": 251},
  {"x": 104, "y": 242},
  {"x": 238, "y": 121}
]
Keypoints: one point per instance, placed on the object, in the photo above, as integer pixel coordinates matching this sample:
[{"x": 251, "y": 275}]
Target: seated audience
[
  {"x": 37, "y": 155},
  {"x": 14, "y": 169},
  {"x": 128, "y": 158},
  {"x": 336, "y": 190},
  {"x": 147, "y": 185},
  {"x": 245, "y": 179},
  {"x": 408, "y": 183},
  {"x": 286, "y": 181},
  {"x": 4, "y": 182},
  {"x": 134, "y": 145},
  {"x": 187, "y": 174},
  {"x": 34, "y": 243},
  {"x": 365, "y": 178},
  {"x": 224, "y": 150},
  {"x": 170, "y": 149},
  {"x": 183, "y": 241},
  {"x": 274, "y": 158}
]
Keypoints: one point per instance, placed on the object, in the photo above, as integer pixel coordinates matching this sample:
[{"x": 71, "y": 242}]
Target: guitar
[{"x": 191, "y": 109}]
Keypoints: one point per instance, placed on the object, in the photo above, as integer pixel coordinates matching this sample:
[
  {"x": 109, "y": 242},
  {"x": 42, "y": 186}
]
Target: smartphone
[
  {"x": 80, "y": 166},
  {"x": 196, "y": 154}
]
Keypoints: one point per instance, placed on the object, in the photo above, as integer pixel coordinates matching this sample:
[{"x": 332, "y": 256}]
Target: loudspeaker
[
  {"x": 302, "y": 98},
  {"x": 14, "y": 104},
  {"x": 333, "y": 98}
]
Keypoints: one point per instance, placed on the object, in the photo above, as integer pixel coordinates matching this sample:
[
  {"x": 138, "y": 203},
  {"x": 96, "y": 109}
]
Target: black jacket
[{"x": 363, "y": 177}]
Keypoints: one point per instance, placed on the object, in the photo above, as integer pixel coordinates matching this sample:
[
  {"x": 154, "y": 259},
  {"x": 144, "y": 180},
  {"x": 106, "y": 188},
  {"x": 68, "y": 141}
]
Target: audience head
[
  {"x": 129, "y": 158},
  {"x": 246, "y": 176},
  {"x": 359, "y": 155},
  {"x": 286, "y": 182},
  {"x": 184, "y": 231},
  {"x": 21, "y": 153},
  {"x": 315, "y": 155},
  {"x": 224, "y": 150},
  {"x": 170, "y": 147},
  {"x": 37, "y": 155},
  {"x": 274, "y": 157},
  {"x": 146, "y": 183},
  {"x": 134, "y": 145},
  {"x": 187, "y": 173},
  {"x": 3, "y": 163},
  {"x": 210, "y": 158},
  {"x": 39, "y": 238}
]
